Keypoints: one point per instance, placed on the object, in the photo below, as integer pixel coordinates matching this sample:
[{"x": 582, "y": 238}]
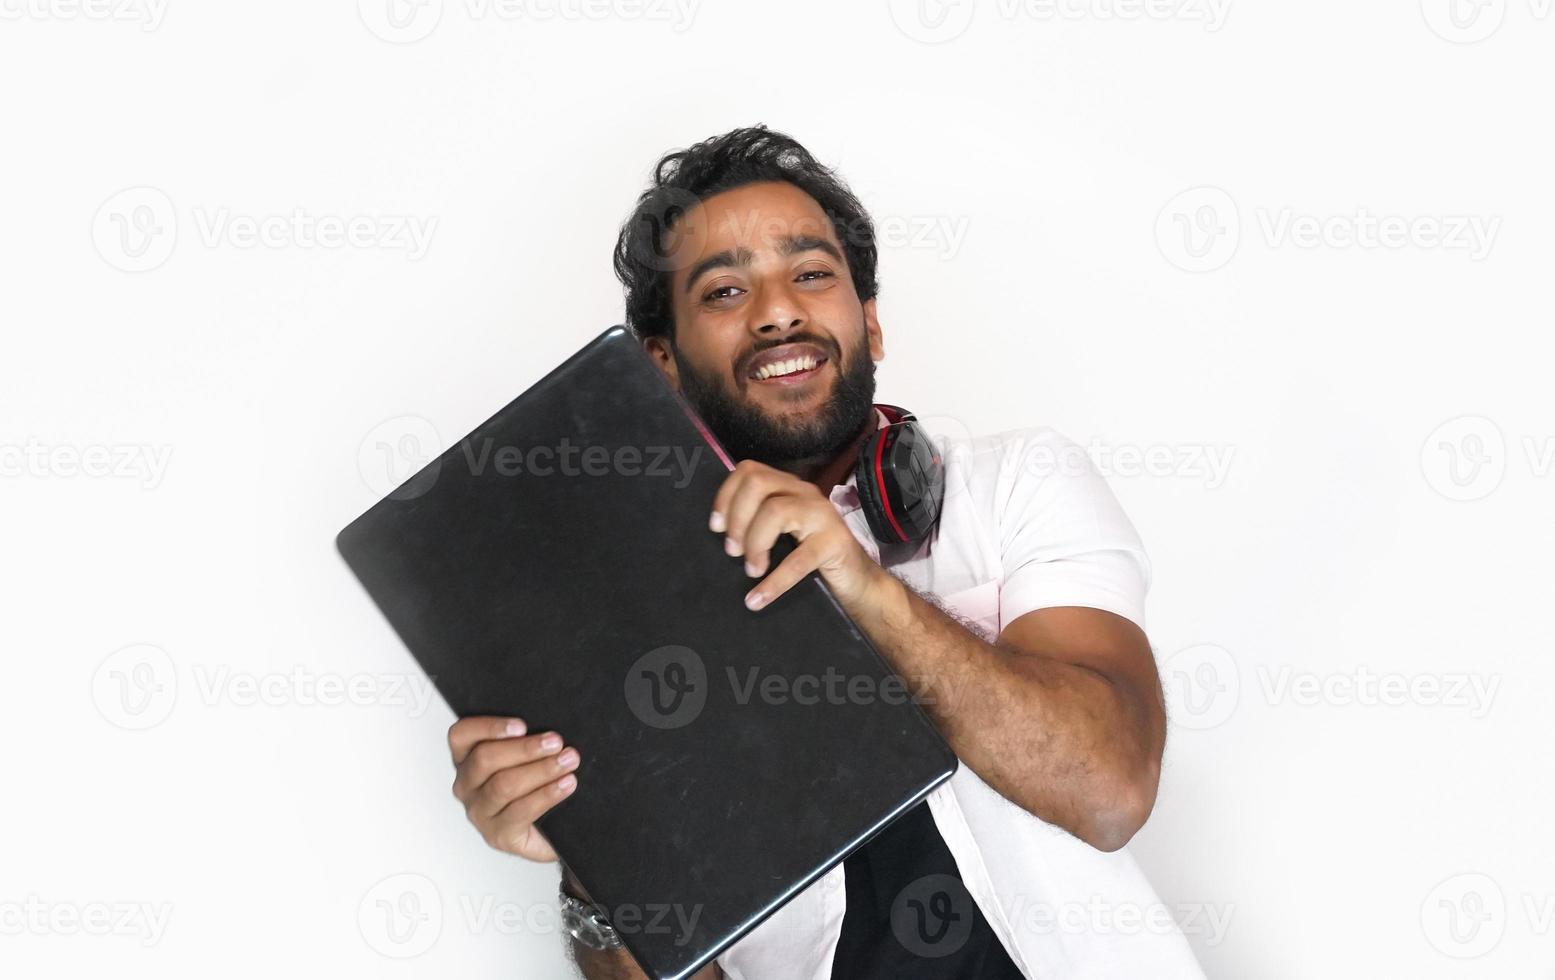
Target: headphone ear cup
[{"x": 869, "y": 492}]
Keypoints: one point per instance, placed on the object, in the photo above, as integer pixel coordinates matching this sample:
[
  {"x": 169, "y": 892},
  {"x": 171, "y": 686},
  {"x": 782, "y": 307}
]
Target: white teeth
[{"x": 780, "y": 368}]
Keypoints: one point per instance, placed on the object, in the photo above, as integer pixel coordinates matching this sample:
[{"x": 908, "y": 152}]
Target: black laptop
[{"x": 555, "y": 565}]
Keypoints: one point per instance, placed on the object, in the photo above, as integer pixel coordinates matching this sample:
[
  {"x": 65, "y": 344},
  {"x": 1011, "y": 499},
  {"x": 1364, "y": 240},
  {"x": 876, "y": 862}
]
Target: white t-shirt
[{"x": 1027, "y": 523}]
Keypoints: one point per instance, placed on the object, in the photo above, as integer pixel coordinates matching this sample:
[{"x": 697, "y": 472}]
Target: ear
[
  {"x": 658, "y": 348},
  {"x": 872, "y": 328}
]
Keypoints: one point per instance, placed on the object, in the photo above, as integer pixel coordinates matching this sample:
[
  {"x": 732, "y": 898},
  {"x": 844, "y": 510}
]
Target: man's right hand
[{"x": 507, "y": 779}]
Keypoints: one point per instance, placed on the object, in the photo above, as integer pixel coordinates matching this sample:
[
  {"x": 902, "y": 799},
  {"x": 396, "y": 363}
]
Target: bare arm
[{"x": 1062, "y": 714}]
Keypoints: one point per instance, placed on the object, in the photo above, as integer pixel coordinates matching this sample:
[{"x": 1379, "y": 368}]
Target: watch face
[{"x": 582, "y": 926}]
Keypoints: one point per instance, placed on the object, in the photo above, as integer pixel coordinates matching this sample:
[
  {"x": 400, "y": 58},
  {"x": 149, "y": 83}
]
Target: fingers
[
  {"x": 522, "y": 812},
  {"x": 800, "y": 562},
  {"x": 777, "y": 515},
  {"x": 741, "y": 495},
  {"x": 467, "y": 732},
  {"x": 506, "y": 785},
  {"x": 489, "y": 757},
  {"x": 507, "y": 779}
]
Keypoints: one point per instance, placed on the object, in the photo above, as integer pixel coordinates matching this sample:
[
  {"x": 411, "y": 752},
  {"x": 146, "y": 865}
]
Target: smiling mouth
[{"x": 792, "y": 370}]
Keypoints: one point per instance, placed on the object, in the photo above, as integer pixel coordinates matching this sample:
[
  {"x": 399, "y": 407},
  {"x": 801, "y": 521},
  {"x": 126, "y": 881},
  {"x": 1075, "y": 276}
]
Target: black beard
[{"x": 748, "y": 433}]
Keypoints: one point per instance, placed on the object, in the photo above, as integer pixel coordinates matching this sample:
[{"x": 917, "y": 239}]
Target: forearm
[
  {"x": 598, "y": 964},
  {"x": 608, "y": 964},
  {"x": 1060, "y": 740}
]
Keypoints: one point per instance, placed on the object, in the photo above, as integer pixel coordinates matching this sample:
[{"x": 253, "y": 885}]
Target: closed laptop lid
[{"x": 556, "y": 565}]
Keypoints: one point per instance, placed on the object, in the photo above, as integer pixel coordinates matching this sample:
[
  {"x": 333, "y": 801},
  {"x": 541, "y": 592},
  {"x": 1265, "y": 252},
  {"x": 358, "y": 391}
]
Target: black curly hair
[{"x": 681, "y": 179}]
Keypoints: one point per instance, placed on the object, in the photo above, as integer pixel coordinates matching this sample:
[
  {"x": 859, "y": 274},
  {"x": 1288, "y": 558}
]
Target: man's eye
[
  {"x": 814, "y": 272},
  {"x": 714, "y": 294}
]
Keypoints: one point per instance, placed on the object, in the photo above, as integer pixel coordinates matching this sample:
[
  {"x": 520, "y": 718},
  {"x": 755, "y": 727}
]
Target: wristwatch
[{"x": 587, "y": 923}]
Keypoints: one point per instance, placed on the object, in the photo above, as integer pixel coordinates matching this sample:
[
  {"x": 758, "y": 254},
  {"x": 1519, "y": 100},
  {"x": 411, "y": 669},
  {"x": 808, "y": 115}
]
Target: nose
[{"x": 778, "y": 313}]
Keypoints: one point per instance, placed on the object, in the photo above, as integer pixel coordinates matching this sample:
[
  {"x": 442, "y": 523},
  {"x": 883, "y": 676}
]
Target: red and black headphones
[{"x": 900, "y": 479}]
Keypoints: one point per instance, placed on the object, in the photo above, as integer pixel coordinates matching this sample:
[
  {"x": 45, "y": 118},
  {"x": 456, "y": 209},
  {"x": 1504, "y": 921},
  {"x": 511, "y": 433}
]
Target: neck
[{"x": 828, "y": 471}]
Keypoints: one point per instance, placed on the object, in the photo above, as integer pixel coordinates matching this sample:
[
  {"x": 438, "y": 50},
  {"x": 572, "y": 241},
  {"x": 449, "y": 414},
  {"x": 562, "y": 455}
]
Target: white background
[{"x": 1046, "y": 267}]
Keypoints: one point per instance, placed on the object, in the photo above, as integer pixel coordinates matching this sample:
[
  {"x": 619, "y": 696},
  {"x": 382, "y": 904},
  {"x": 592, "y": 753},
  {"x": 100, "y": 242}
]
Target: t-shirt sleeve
[{"x": 1064, "y": 539}]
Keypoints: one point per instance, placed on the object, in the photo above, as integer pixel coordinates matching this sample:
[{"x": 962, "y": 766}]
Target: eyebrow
[{"x": 742, "y": 256}]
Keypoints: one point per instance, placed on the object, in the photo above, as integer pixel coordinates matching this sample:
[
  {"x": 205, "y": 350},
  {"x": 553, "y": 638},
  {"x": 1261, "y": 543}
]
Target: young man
[{"x": 750, "y": 276}]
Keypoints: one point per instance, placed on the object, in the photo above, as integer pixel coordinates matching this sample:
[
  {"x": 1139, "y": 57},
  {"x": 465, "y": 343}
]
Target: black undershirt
[{"x": 909, "y": 917}]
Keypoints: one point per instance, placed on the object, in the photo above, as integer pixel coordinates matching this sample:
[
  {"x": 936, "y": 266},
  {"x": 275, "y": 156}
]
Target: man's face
[{"x": 772, "y": 346}]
